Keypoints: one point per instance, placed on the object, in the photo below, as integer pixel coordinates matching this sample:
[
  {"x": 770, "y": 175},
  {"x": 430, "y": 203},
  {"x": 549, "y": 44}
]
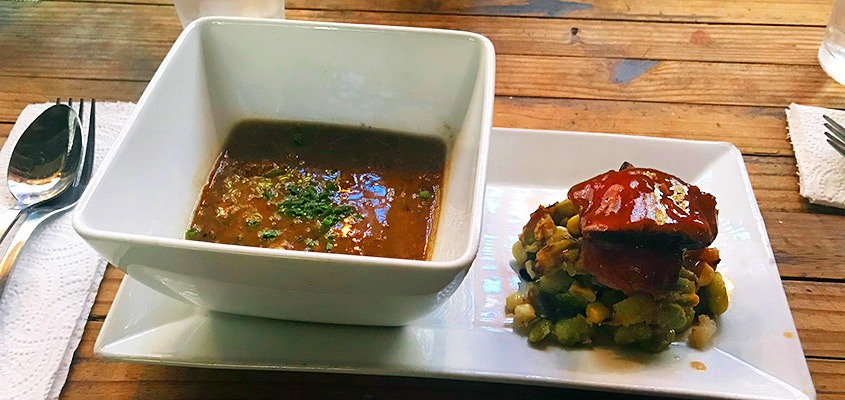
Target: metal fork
[
  {"x": 60, "y": 204},
  {"x": 836, "y": 136}
]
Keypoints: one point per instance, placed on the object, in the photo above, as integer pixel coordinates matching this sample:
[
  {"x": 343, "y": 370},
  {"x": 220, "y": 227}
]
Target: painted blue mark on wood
[
  {"x": 551, "y": 8},
  {"x": 629, "y": 69}
]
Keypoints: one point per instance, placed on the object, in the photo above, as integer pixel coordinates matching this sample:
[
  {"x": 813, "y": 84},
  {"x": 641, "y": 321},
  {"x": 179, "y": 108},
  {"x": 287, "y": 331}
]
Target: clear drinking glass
[
  {"x": 190, "y": 10},
  {"x": 832, "y": 50}
]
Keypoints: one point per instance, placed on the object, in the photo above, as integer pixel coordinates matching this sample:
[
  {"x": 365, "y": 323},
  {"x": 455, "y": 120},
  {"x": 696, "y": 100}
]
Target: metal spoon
[{"x": 45, "y": 161}]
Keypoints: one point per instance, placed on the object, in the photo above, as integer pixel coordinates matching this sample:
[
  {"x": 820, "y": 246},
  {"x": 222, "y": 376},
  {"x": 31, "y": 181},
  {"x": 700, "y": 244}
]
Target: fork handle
[{"x": 18, "y": 242}]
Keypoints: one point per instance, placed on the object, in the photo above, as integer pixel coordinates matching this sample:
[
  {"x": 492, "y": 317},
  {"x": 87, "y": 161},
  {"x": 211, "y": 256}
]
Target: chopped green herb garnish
[
  {"x": 269, "y": 194},
  {"x": 268, "y": 234},
  {"x": 192, "y": 233},
  {"x": 297, "y": 139},
  {"x": 254, "y": 219},
  {"x": 311, "y": 243},
  {"x": 312, "y": 201},
  {"x": 329, "y": 242},
  {"x": 425, "y": 195},
  {"x": 273, "y": 173}
]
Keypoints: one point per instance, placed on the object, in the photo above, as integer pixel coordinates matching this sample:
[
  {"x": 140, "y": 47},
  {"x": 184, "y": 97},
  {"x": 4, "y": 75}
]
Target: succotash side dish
[{"x": 625, "y": 255}]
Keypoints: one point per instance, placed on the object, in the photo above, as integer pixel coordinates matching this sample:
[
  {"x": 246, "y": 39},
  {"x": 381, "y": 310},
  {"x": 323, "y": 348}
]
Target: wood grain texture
[
  {"x": 804, "y": 246},
  {"x": 116, "y": 41},
  {"x": 4, "y": 132},
  {"x": 754, "y": 130},
  {"x": 775, "y": 184},
  {"x": 106, "y": 47},
  {"x": 612, "y": 39},
  {"x": 828, "y": 377},
  {"x": 17, "y": 92},
  {"x": 592, "y": 78},
  {"x": 667, "y": 81},
  {"x": 793, "y": 12},
  {"x": 819, "y": 312}
]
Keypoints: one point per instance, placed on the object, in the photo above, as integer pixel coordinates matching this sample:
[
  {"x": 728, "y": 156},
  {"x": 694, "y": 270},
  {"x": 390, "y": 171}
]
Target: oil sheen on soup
[{"x": 327, "y": 188}]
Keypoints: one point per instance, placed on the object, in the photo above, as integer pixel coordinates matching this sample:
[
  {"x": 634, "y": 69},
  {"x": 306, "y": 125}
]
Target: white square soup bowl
[{"x": 223, "y": 70}]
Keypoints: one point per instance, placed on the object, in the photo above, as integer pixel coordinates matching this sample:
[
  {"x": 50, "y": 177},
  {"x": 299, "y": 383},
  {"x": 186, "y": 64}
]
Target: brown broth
[{"x": 387, "y": 190}]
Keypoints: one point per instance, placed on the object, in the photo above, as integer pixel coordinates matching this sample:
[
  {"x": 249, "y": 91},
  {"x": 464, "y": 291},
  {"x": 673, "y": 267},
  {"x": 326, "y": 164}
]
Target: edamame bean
[
  {"x": 540, "y": 330},
  {"x": 555, "y": 282},
  {"x": 671, "y": 316},
  {"x": 572, "y": 331},
  {"x": 634, "y": 309},
  {"x": 632, "y": 333},
  {"x": 717, "y": 295}
]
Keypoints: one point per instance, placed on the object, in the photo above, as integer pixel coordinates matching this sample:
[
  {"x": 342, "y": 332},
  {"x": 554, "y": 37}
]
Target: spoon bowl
[{"x": 44, "y": 162}]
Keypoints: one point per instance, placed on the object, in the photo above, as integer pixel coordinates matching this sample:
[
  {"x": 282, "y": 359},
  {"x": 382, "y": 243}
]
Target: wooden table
[{"x": 692, "y": 69}]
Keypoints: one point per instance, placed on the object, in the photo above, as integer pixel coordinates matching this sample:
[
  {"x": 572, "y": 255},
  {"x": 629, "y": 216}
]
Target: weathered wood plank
[
  {"x": 775, "y": 184},
  {"x": 828, "y": 377},
  {"x": 43, "y": 40},
  {"x": 793, "y": 12},
  {"x": 798, "y": 12},
  {"x": 17, "y": 92},
  {"x": 667, "y": 81},
  {"x": 754, "y": 130},
  {"x": 4, "y": 132},
  {"x": 807, "y": 245},
  {"x": 117, "y": 41},
  {"x": 609, "y": 79},
  {"x": 613, "y": 39},
  {"x": 819, "y": 312},
  {"x": 107, "y": 291}
]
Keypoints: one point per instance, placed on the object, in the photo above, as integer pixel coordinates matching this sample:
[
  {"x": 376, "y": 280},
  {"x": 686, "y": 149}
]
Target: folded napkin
[
  {"x": 821, "y": 169},
  {"x": 52, "y": 288}
]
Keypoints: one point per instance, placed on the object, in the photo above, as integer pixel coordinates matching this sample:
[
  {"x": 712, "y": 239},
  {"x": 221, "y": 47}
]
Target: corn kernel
[
  {"x": 519, "y": 254},
  {"x": 523, "y": 314},
  {"x": 513, "y": 300},
  {"x": 585, "y": 292},
  {"x": 573, "y": 225},
  {"x": 706, "y": 274},
  {"x": 597, "y": 312},
  {"x": 692, "y": 299}
]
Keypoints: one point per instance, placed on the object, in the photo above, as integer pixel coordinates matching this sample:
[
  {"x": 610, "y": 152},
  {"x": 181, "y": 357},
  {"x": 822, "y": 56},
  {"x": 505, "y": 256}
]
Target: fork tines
[
  {"x": 836, "y": 134},
  {"x": 88, "y": 150},
  {"x": 89, "y": 145}
]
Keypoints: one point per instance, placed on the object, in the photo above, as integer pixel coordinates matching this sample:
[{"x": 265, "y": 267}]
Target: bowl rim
[{"x": 486, "y": 66}]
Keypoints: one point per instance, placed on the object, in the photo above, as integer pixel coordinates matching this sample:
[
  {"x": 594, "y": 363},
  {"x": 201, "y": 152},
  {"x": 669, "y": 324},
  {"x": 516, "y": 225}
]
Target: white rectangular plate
[{"x": 756, "y": 354}]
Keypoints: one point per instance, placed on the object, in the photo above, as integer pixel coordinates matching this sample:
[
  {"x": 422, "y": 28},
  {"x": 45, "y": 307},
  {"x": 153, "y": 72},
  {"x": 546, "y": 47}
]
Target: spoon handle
[
  {"x": 18, "y": 242},
  {"x": 7, "y": 220}
]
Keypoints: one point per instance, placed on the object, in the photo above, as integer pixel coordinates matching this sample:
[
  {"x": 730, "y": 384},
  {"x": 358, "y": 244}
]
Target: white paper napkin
[
  {"x": 52, "y": 288},
  {"x": 821, "y": 169}
]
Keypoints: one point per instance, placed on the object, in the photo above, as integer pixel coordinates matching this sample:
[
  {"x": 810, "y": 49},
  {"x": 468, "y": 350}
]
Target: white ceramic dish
[
  {"x": 223, "y": 70},
  {"x": 469, "y": 337}
]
